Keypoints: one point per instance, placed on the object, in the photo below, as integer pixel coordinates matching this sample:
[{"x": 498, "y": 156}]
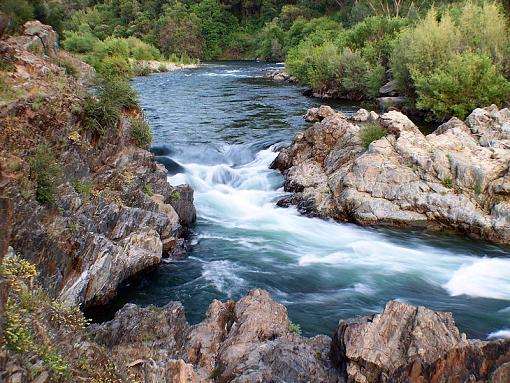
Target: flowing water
[{"x": 218, "y": 128}]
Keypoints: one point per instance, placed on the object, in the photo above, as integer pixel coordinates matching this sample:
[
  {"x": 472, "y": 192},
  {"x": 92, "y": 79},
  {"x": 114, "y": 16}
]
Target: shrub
[
  {"x": 112, "y": 66},
  {"x": 141, "y": 69},
  {"x": 369, "y": 133},
  {"x": 82, "y": 41},
  {"x": 117, "y": 92},
  {"x": 423, "y": 48},
  {"x": 294, "y": 328},
  {"x": 99, "y": 116},
  {"x": 457, "y": 87},
  {"x": 46, "y": 172},
  {"x": 69, "y": 67},
  {"x": 140, "y": 50},
  {"x": 447, "y": 182},
  {"x": 141, "y": 133},
  {"x": 148, "y": 190}
]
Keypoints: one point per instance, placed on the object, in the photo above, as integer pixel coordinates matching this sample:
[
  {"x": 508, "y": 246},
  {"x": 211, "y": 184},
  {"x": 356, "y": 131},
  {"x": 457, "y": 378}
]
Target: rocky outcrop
[
  {"x": 455, "y": 178},
  {"x": 244, "y": 341},
  {"x": 281, "y": 76},
  {"x": 415, "y": 344},
  {"x": 114, "y": 214}
]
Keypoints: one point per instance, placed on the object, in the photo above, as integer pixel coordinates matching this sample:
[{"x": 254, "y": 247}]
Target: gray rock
[
  {"x": 386, "y": 103},
  {"x": 456, "y": 177},
  {"x": 389, "y": 89}
]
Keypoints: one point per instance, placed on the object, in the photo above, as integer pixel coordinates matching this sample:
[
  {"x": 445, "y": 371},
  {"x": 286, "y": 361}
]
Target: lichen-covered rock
[
  {"x": 455, "y": 178},
  {"x": 414, "y": 344}
]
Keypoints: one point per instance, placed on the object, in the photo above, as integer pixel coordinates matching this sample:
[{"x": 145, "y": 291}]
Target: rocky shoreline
[
  {"x": 115, "y": 215},
  {"x": 456, "y": 178}
]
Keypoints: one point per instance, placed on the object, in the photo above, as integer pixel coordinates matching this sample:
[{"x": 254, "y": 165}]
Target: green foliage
[
  {"x": 141, "y": 133},
  {"x": 148, "y": 190},
  {"x": 82, "y": 41},
  {"x": 447, "y": 182},
  {"x": 369, "y": 133},
  {"x": 83, "y": 187},
  {"x": 175, "y": 196},
  {"x": 45, "y": 170},
  {"x": 435, "y": 40},
  {"x": 99, "y": 116},
  {"x": 141, "y": 69},
  {"x": 466, "y": 81},
  {"x": 294, "y": 328},
  {"x": 69, "y": 67}
]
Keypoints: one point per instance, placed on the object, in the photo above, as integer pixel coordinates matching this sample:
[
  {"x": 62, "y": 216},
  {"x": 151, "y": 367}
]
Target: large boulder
[
  {"x": 457, "y": 177},
  {"x": 43, "y": 37},
  {"x": 244, "y": 341},
  {"x": 414, "y": 344}
]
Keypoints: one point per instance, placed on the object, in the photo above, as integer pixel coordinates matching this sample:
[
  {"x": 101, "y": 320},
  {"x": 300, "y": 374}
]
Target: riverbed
[{"x": 218, "y": 127}]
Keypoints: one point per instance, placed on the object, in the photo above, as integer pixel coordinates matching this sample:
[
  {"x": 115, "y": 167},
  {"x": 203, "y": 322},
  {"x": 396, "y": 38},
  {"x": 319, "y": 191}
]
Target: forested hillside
[{"x": 446, "y": 57}]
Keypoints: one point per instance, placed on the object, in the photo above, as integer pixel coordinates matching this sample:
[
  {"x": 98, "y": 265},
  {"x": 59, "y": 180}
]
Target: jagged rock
[
  {"x": 244, "y": 341},
  {"x": 102, "y": 236},
  {"x": 362, "y": 115},
  {"x": 389, "y": 89},
  {"x": 386, "y": 103},
  {"x": 281, "y": 76},
  {"x": 457, "y": 177},
  {"x": 414, "y": 344},
  {"x": 44, "y": 38},
  {"x": 319, "y": 114}
]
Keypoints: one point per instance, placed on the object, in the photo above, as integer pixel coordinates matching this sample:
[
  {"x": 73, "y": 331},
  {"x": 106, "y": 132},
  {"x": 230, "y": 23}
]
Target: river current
[{"x": 218, "y": 128}]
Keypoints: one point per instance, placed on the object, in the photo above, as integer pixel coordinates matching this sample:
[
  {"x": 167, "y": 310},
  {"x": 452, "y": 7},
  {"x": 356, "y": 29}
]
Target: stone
[
  {"x": 389, "y": 89},
  {"x": 456, "y": 177},
  {"x": 362, "y": 115},
  {"x": 386, "y": 103},
  {"x": 43, "y": 37},
  {"x": 413, "y": 344}
]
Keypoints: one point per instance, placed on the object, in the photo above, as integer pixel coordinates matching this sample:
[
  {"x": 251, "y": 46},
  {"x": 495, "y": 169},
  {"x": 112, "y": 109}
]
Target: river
[{"x": 218, "y": 128}]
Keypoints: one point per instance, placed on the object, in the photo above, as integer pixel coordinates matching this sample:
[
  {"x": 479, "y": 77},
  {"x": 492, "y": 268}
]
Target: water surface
[{"x": 218, "y": 128}]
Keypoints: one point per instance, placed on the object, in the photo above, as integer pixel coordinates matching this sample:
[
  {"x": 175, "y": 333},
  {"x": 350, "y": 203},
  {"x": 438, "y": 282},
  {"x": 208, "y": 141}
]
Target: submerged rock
[{"x": 455, "y": 178}]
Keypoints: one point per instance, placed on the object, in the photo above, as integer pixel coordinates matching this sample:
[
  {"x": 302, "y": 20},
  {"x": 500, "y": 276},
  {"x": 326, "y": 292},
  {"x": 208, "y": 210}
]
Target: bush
[
  {"x": 141, "y": 69},
  {"x": 141, "y": 133},
  {"x": 82, "y": 41},
  {"x": 140, "y": 50},
  {"x": 116, "y": 92},
  {"x": 371, "y": 132},
  {"x": 113, "y": 66},
  {"x": 294, "y": 328},
  {"x": 457, "y": 87},
  {"x": 99, "y": 116},
  {"x": 46, "y": 172},
  {"x": 435, "y": 41}
]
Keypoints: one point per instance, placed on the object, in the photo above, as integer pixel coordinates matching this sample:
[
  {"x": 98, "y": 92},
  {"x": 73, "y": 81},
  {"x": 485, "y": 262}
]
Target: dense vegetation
[{"x": 445, "y": 56}]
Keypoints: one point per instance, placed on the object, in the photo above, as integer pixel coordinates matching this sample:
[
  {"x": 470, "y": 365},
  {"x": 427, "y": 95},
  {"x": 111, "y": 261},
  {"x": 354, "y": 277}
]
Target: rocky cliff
[
  {"x": 456, "y": 178},
  {"x": 113, "y": 214}
]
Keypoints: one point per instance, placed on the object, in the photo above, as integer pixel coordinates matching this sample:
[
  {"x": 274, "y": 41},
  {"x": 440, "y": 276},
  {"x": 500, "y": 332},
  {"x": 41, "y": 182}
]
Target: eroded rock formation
[
  {"x": 455, "y": 178},
  {"x": 114, "y": 214}
]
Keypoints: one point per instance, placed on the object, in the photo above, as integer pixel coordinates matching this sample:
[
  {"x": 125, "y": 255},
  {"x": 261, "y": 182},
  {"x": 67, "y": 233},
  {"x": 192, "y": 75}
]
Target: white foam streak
[
  {"x": 243, "y": 198},
  {"x": 501, "y": 334}
]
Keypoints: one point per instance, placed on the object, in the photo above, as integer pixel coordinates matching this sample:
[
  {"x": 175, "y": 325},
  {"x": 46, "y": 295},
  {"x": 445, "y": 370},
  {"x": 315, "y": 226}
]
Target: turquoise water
[{"x": 218, "y": 128}]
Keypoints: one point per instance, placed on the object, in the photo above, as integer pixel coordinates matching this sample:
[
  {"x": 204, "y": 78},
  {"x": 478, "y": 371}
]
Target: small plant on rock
[
  {"x": 447, "y": 182},
  {"x": 46, "y": 172},
  {"x": 294, "y": 328},
  {"x": 369, "y": 133},
  {"x": 141, "y": 133},
  {"x": 148, "y": 190}
]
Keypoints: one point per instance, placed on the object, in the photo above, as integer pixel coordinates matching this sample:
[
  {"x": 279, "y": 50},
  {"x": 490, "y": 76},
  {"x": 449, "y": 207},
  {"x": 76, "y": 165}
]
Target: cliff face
[
  {"x": 455, "y": 178},
  {"x": 114, "y": 213}
]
